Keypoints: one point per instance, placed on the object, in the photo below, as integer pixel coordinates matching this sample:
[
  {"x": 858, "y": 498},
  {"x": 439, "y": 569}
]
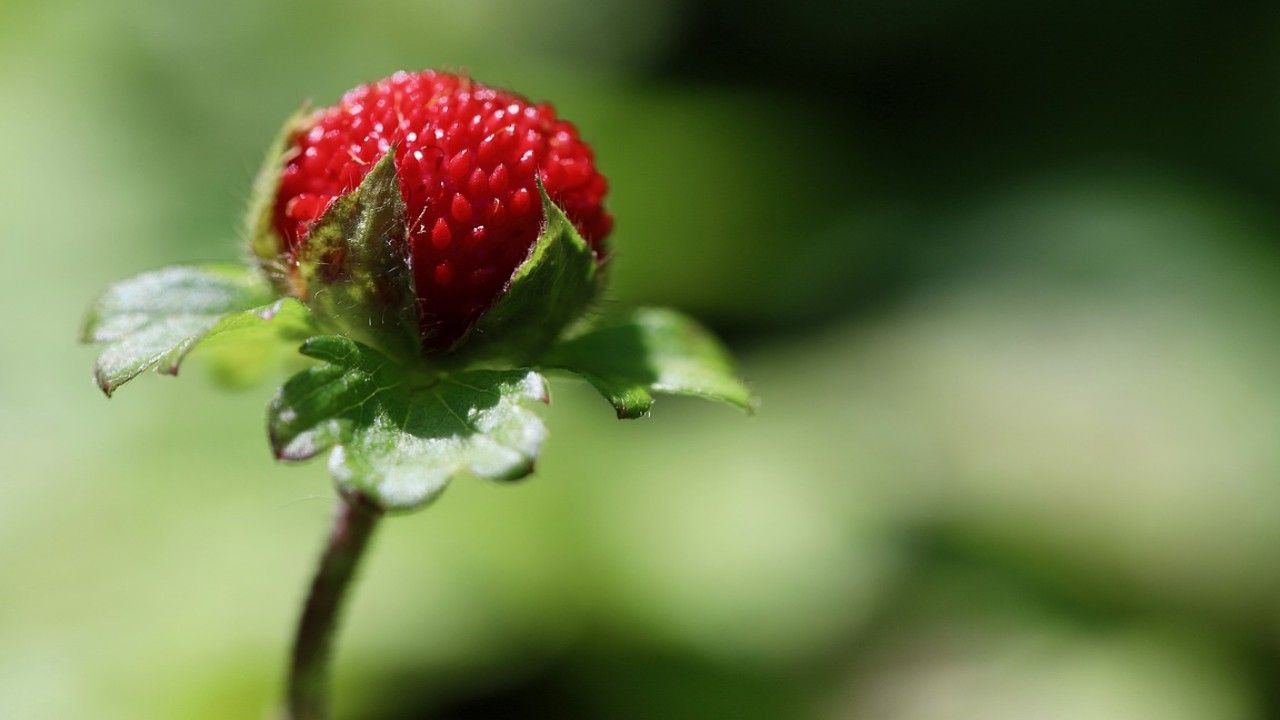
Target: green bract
[
  {"x": 154, "y": 320},
  {"x": 400, "y": 435},
  {"x": 399, "y": 423},
  {"x": 353, "y": 267},
  {"x": 547, "y": 293},
  {"x": 263, "y": 240},
  {"x": 652, "y": 350}
]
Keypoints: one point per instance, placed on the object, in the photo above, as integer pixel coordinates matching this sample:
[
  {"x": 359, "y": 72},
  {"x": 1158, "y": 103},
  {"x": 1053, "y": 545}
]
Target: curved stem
[{"x": 353, "y": 523}]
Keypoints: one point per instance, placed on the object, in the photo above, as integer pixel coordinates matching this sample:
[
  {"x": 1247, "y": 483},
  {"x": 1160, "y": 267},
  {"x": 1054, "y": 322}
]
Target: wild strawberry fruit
[{"x": 466, "y": 156}]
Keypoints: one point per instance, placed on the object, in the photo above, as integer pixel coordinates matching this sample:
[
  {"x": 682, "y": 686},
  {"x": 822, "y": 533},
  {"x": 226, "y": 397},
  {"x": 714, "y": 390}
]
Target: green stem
[{"x": 353, "y": 523}]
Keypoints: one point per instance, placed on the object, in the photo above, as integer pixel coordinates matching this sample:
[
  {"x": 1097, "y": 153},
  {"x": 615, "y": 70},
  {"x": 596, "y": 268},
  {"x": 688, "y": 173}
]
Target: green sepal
[
  {"x": 652, "y": 351},
  {"x": 552, "y": 289},
  {"x": 154, "y": 320},
  {"x": 259, "y": 226},
  {"x": 354, "y": 267},
  {"x": 397, "y": 435}
]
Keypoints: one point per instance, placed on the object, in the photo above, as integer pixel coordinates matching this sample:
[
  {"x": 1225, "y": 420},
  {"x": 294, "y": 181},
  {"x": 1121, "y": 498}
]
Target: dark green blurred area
[{"x": 1005, "y": 274}]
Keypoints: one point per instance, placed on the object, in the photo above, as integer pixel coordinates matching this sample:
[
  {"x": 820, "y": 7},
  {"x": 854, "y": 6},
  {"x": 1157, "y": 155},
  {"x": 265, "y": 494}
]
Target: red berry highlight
[{"x": 466, "y": 156}]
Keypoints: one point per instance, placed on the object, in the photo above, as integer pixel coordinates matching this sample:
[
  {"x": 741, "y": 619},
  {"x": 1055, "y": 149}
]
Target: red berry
[{"x": 466, "y": 155}]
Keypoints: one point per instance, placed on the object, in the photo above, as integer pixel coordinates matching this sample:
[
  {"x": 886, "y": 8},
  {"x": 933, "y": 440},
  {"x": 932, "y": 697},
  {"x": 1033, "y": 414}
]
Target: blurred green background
[{"x": 1006, "y": 275}]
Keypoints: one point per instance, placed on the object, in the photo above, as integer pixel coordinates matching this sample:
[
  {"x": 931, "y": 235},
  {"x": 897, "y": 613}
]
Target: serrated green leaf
[
  {"x": 652, "y": 350},
  {"x": 259, "y": 227},
  {"x": 354, "y": 266},
  {"x": 246, "y": 350},
  {"x": 154, "y": 320},
  {"x": 546, "y": 294},
  {"x": 399, "y": 436}
]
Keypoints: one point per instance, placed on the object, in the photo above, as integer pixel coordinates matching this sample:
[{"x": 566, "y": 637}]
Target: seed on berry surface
[
  {"x": 526, "y": 164},
  {"x": 441, "y": 236},
  {"x": 498, "y": 179},
  {"x": 488, "y": 149},
  {"x": 459, "y": 165},
  {"x": 497, "y": 213},
  {"x": 521, "y": 201},
  {"x": 460, "y": 208},
  {"x": 477, "y": 183}
]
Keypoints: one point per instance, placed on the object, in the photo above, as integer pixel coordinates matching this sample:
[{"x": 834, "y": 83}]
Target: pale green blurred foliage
[{"x": 1070, "y": 412}]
